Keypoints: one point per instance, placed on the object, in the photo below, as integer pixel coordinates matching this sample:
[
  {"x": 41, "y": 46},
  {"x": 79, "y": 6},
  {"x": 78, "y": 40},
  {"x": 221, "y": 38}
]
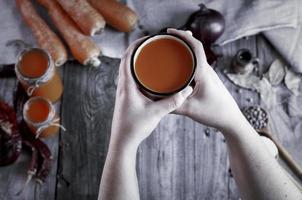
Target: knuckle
[
  {"x": 125, "y": 55},
  {"x": 177, "y": 101}
]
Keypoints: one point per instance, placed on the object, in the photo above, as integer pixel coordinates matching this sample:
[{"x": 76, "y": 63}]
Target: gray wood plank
[
  {"x": 12, "y": 177},
  {"x": 176, "y": 162},
  {"x": 87, "y": 108}
]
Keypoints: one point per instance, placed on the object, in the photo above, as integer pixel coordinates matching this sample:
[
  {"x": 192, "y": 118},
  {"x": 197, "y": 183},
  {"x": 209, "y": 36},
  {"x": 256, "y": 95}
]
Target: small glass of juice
[
  {"x": 41, "y": 117},
  {"x": 37, "y": 74},
  {"x": 163, "y": 65}
]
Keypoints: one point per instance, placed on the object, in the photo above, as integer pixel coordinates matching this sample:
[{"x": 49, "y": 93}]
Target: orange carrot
[
  {"x": 81, "y": 46},
  {"x": 89, "y": 20},
  {"x": 44, "y": 36},
  {"x": 116, "y": 14}
]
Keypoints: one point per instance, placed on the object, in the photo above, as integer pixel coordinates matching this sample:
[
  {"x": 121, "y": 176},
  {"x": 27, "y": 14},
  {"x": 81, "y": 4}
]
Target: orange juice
[
  {"x": 37, "y": 74},
  {"x": 33, "y": 64},
  {"x": 39, "y": 112},
  {"x": 163, "y": 65}
]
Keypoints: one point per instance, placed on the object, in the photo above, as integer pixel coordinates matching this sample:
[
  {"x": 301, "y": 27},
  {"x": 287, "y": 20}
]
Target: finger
[
  {"x": 184, "y": 35},
  {"x": 170, "y": 104},
  {"x": 194, "y": 43},
  {"x": 189, "y": 32}
]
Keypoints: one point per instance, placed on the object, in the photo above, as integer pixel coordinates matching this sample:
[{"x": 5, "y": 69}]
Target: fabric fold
[{"x": 249, "y": 17}]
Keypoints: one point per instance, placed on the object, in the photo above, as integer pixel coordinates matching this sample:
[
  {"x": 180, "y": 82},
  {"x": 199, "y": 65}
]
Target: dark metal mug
[
  {"x": 244, "y": 61},
  {"x": 148, "y": 92}
]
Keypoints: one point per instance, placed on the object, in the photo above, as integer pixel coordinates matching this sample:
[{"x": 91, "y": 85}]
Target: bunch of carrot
[{"x": 76, "y": 20}]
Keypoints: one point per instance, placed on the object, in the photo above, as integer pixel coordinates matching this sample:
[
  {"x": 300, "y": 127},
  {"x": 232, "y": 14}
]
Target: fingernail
[
  {"x": 170, "y": 29},
  {"x": 189, "y": 32},
  {"x": 187, "y": 91}
]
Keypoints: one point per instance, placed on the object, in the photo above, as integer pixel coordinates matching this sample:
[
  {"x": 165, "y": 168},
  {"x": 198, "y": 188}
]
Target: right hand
[{"x": 210, "y": 103}]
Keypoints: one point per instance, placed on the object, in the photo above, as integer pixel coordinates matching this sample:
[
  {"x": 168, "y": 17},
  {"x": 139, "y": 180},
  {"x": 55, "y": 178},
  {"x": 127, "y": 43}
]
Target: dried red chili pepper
[
  {"x": 20, "y": 97},
  {"x": 33, "y": 166},
  {"x": 45, "y": 164},
  {"x": 10, "y": 140},
  {"x": 44, "y": 154}
]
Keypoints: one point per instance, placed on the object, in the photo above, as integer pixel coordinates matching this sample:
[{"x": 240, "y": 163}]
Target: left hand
[{"x": 135, "y": 116}]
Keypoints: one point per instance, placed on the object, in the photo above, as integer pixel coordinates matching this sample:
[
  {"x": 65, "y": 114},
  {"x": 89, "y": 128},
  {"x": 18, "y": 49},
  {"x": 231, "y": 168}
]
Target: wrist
[
  {"x": 123, "y": 143},
  {"x": 238, "y": 126}
]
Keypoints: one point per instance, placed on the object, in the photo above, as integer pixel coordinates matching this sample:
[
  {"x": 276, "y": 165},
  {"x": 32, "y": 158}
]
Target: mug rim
[
  {"x": 34, "y": 99},
  {"x": 190, "y": 79}
]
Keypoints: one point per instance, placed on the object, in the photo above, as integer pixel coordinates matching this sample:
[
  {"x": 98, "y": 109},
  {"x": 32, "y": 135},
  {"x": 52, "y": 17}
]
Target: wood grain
[{"x": 87, "y": 108}]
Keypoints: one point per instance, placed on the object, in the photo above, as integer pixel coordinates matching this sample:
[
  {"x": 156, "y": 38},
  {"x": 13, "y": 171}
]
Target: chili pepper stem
[
  {"x": 39, "y": 181},
  {"x": 28, "y": 179}
]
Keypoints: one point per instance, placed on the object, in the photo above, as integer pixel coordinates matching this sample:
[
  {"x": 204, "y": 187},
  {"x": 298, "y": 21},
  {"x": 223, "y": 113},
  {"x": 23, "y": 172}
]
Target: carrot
[
  {"x": 81, "y": 46},
  {"x": 89, "y": 20},
  {"x": 116, "y": 14},
  {"x": 44, "y": 36}
]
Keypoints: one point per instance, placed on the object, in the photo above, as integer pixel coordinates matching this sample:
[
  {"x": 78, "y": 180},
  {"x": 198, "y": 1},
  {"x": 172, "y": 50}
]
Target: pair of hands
[{"x": 136, "y": 116}]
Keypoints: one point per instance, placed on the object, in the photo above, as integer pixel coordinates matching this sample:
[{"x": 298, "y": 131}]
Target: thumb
[{"x": 171, "y": 103}]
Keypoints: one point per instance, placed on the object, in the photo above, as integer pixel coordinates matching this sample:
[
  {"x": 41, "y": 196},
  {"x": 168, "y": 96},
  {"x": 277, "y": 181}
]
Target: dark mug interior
[{"x": 154, "y": 95}]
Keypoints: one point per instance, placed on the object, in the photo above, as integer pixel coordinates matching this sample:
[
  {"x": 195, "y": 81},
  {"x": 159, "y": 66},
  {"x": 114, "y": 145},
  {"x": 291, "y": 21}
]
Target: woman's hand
[
  {"x": 136, "y": 116},
  {"x": 210, "y": 103}
]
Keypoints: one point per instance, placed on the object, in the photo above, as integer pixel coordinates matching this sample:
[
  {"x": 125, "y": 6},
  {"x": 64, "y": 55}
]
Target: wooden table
[{"x": 179, "y": 161}]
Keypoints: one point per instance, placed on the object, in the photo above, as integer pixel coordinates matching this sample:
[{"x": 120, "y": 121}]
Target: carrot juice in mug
[{"x": 163, "y": 65}]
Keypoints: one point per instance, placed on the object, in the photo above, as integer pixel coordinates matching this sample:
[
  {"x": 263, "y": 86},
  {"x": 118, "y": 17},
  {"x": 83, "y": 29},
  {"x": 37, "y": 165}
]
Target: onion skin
[{"x": 207, "y": 25}]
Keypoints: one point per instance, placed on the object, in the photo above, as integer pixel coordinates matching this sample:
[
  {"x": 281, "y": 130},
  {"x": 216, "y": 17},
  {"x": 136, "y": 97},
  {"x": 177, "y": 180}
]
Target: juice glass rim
[
  {"x": 177, "y": 38},
  {"x": 19, "y": 58},
  {"x": 50, "y": 116}
]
